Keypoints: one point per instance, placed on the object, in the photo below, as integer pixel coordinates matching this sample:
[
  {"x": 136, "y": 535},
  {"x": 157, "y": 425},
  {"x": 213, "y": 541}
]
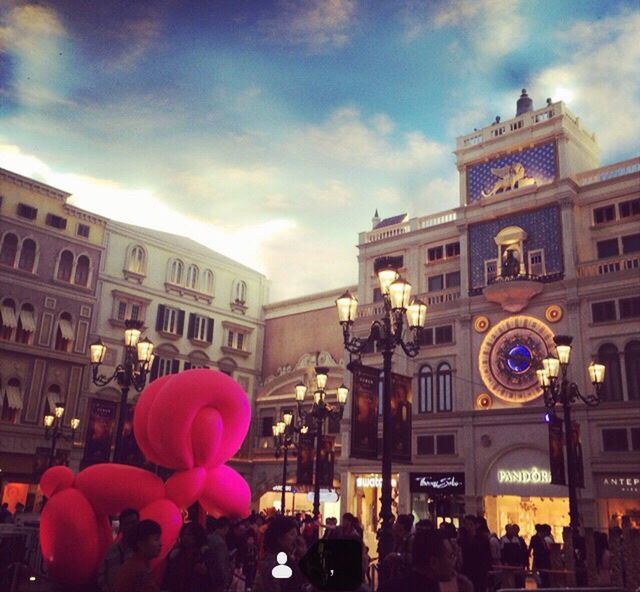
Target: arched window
[
  {"x": 11, "y": 400},
  {"x": 425, "y": 390},
  {"x": 82, "y": 271},
  {"x": 9, "y": 249},
  {"x": 137, "y": 260},
  {"x": 207, "y": 281},
  {"x": 8, "y": 318},
  {"x": 65, "y": 266},
  {"x": 176, "y": 271},
  {"x": 240, "y": 292},
  {"x": 445, "y": 392},
  {"x": 64, "y": 333},
  {"x": 54, "y": 396},
  {"x": 192, "y": 277},
  {"x": 27, "y": 255},
  {"x": 609, "y": 356},
  {"x": 26, "y": 324},
  {"x": 632, "y": 366}
]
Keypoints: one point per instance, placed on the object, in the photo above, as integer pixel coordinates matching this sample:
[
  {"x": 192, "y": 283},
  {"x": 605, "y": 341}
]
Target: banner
[
  {"x": 401, "y": 399},
  {"x": 577, "y": 453},
  {"x": 100, "y": 430},
  {"x": 131, "y": 454},
  {"x": 305, "y": 460},
  {"x": 364, "y": 412},
  {"x": 556, "y": 451},
  {"x": 326, "y": 465}
]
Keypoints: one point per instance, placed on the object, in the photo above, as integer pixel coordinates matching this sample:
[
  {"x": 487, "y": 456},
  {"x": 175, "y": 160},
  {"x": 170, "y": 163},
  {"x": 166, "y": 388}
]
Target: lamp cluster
[{"x": 54, "y": 429}]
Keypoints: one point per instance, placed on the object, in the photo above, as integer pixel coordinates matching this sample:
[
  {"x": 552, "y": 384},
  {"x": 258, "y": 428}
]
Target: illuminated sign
[
  {"x": 619, "y": 485},
  {"x": 288, "y": 488},
  {"x": 534, "y": 476},
  {"x": 437, "y": 483},
  {"x": 372, "y": 481}
]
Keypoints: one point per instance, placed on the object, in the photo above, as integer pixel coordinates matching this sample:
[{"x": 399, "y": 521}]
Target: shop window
[
  {"x": 8, "y": 318},
  {"x": 434, "y": 253},
  {"x": 536, "y": 262},
  {"x": 193, "y": 274},
  {"x": 56, "y": 221},
  {"x": 9, "y": 249},
  {"x": 27, "y": 255},
  {"x": 604, "y": 214},
  {"x": 632, "y": 366},
  {"x": 26, "y": 326},
  {"x": 426, "y": 445},
  {"x": 82, "y": 271},
  {"x": 444, "y": 334},
  {"x": 452, "y": 249},
  {"x": 612, "y": 388},
  {"x": 445, "y": 444},
  {"x": 453, "y": 279},
  {"x": 83, "y": 230},
  {"x": 435, "y": 283},
  {"x": 607, "y": 248},
  {"x": 445, "y": 395},
  {"x": 64, "y": 333},
  {"x": 631, "y": 243},
  {"x": 629, "y": 307},
  {"x": 629, "y": 208},
  {"x": 603, "y": 312},
  {"x": 136, "y": 262},
  {"x": 176, "y": 270},
  {"x": 65, "y": 266},
  {"x": 425, "y": 390},
  {"x": 266, "y": 426},
  {"x": 490, "y": 270},
  {"x": 207, "y": 281},
  {"x": 615, "y": 440},
  {"x": 25, "y": 211}
]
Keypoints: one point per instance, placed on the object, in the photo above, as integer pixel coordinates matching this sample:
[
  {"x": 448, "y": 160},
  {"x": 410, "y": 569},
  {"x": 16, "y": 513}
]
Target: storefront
[
  {"x": 300, "y": 499},
  {"x": 437, "y": 496},
  {"x": 618, "y": 496},
  {"x": 518, "y": 490}
]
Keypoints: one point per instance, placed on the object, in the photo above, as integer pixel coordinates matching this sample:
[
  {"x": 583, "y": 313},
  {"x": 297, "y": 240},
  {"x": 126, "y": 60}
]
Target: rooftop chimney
[{"x": 524, "y": 104}]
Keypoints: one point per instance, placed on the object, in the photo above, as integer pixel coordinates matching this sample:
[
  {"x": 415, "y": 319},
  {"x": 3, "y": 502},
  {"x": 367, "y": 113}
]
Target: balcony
[
  {"x": 513, "y": 293},
  {"x": 435, "y": 300},
  {"x": 421, "y": 223},
  {"x": 611, "y": 265},
  {"x": 626, "y": 167}
]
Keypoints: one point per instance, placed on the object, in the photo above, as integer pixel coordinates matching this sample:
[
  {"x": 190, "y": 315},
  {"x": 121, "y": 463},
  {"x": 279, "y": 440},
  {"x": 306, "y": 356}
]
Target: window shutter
[
  {"x": 175, "y": 366},
  {"x": 160, "y": 317},
  {"x": 187, "y": 365},
  {"x": 154, "y": 368},
  {"x": 180, "y": 322},
  {"x": 210, "y": 330},
  {"x": 191, "y": 326}
]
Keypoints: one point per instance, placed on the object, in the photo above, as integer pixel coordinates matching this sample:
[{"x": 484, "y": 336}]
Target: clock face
[{"x": 510, "y": 354}]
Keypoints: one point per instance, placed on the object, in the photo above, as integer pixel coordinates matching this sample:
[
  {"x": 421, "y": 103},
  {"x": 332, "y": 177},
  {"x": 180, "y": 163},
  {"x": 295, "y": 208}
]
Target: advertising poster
[
  {"x": 364, "y": 412},
  {"x": 556, "y": 451},
  {"x": 306, "y": 457},
  {"x": 326, "y": 465},
  {"x": 401, "y": 399},
  {"x": 131, "y": 454},
  {"x": 100, "y": 430}
]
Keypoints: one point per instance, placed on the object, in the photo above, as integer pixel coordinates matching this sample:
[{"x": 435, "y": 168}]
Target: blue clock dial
[{"x": 519, "y": 358}]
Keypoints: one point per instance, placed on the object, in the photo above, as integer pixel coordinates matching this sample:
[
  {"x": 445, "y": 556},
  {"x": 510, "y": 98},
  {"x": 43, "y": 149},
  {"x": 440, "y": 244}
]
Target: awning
[
  {"x": 14, "y": 396},
  {"x": 66, "y": 329},
  {"x": 27, "y": 321},
  {"x": 8, "y": 316}
]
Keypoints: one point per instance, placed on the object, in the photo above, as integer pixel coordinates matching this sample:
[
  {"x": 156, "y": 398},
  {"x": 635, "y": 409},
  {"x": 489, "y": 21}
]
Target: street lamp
[
  {"x": 387, "y": 332},
  {"x": 138, "y": 358},
  {"x": 284, "y": 432},
  {"x": 54, "y": 430},
  {"x": 557, "y": 389},
  {"x": 319, "y": 411}
]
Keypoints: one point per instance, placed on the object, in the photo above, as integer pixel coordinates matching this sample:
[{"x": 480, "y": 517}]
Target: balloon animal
[{"x": 191, "y": 422}]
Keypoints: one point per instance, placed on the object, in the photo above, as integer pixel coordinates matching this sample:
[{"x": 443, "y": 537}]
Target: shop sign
[
  {"x": 437, "y": 483},
  {"x": 372, "y": 481},
  {"x": 287, "y": 488},
  {"x": 534, "y": 476},
  {"x": 619, "y": 485}
]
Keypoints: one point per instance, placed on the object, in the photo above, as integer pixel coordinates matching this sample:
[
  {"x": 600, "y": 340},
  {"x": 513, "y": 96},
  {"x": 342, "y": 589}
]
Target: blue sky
[{"x": 272, "y": 130}]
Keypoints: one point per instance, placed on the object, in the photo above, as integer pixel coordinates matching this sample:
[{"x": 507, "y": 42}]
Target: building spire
[{"x": 375, "y": 220}]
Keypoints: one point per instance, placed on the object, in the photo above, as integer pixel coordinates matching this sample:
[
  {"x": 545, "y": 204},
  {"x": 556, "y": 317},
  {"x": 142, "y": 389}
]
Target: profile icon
[{"x": 281, "y": 571}]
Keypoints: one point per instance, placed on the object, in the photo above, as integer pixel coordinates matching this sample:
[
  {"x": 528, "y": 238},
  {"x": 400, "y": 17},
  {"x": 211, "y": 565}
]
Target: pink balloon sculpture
[{"x": 191, "y": 422}]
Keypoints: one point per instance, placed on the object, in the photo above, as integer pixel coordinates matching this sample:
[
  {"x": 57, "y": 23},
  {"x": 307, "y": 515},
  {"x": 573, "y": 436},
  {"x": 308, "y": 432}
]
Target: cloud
[
  {"x": 334, "y": 194},
  {"x": 317, "y": 25}
]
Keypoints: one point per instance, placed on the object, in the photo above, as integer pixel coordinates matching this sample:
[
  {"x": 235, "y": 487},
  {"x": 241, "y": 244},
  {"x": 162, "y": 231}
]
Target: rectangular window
[
  {"x": 122, "y": 310},
  {"x": 230, "y": 338},
  {"x": 629, "y": 307},
  {"x": 434, "y": 253},
  {"x": 490, "y": 270},
  {"x": 604, "y": 214},
  {"x": 615, "y": 440},
  {"x": 135, "y": 312},
  {"x": 635, "y": 439},
  {"x": 170, "y": 321},
  {"x": 56, "y": 221},
  {"x": 435, "y": 283},
  {"x": 25, "y": 211},
  {"x": 629, "y": 208},
  {"x": 536, "y": 262},
  {"x": 83, "y": 230},
  {"x": 444, "y": 334},
  {"x": 396, "y": 262},
  {"x": 167, "y": 366},
  {"x": 631, "y": 243},
  {"x": 607, "y": 248},
  {"x": 240, "y": 341},
  {"x": 266, "y": 429},
  {"x": 200, "y": 328},
  {"x": 426, "y": 445},
  {"x": 445, "y": 444},
  {"x": 452, "y": 249},
  {"x": 453, "y": 279},
  {"x": 603, "y": 312},
  {"x": 426, "y": 336}
]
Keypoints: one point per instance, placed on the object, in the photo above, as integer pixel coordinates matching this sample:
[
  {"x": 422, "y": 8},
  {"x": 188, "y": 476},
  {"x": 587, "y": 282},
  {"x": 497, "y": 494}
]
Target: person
[
  {"x": 189, "y": 564},
  {"x": 309, "y": 531},
  {"x": 6, "y": 517},
  {"x": 135, "y": 573},
  {"x": 433, "y": 565},
  {"x": 541, "y": 552},
  {"x": 330, "y": 527},
  {"x": 603, "y": 559},
  {"x": 249, "y": 558},
  {"x": 119, "y": 551},
  {"x": 476, "y": 553},
  {"x": 396, "y": 565},
  {"x": 513, "y": 555},
  {"x": 221, "y": 566},
  {"x": 280, "y": 537},
  {"x": 348, "y": 527}
]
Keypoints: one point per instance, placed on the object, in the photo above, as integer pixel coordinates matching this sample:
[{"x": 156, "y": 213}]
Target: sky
[{"x": 271, "y": 130}]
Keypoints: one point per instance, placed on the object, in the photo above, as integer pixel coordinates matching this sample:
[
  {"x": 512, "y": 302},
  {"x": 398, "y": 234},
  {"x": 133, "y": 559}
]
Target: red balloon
[
  {"x": 184, "y": 487},
  {"x": 56, "y": 479},
  {"x": 226, "y": 493},
  {"x": 140, "y": 415}
]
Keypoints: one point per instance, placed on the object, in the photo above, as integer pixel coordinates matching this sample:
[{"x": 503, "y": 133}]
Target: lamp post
[
  {"x": 284, "y": 432},
  {"x": 557, "y": 389},
  {"x": 388, "y": 333},
  {"x": 54, "y": 430},
  {"x": 138, "y": 358},
  {"x": 313, "y": 420}
]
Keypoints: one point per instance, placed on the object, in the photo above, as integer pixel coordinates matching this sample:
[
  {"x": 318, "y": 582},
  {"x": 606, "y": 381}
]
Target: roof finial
[{"x": 524, "y": 104}]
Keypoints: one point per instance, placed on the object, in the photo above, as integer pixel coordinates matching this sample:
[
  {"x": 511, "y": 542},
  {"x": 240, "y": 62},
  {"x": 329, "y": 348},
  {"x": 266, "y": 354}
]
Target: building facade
[
  {"x": 50, "y": 256},
  {"x": 543, "y": 242}
]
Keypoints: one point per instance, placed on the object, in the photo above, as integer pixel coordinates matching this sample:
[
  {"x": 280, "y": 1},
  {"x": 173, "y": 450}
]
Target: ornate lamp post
[
  {"x": 313, "y": 420},
  {"x": 284, "y": 433},
  {"x": 557, "y": 389},
  {"x": 54, "y": 430},
  {"x": 138, "y": 357},
  {"x": 388, "y": 333}
]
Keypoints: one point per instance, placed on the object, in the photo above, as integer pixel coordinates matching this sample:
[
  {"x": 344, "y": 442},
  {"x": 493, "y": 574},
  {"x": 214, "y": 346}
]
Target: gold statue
[{"x": 509, "y": 175}]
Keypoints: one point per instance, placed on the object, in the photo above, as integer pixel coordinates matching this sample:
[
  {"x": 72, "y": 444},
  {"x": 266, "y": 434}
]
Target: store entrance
[
  {"x": 367, "y": 505},
  {"x": 526, "y": 512}
]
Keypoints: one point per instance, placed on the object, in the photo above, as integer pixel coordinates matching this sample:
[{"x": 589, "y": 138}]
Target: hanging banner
[
  {"x": 556, "y": 451},
  {"x": 401, "y": 399},
  {"x": 100, "y": 430},
  {"x": 305, "y": 459},
  {"x": 326, "y": 465},
  {"x": 577, "y": 453},
  {"x": 364, "y": 412},
  {"x": 131, "y": 454}
]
